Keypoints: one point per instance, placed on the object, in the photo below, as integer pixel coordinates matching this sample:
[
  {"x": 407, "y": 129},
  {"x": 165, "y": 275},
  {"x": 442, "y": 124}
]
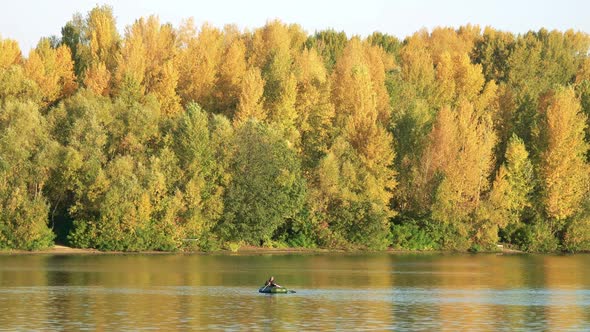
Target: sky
[{"x": 27, "y": 21}]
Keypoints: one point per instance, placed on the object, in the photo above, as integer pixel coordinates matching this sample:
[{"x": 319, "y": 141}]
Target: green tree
[
  {"x": 492, "y": 51},
  {"x": 202, "y": 180},
  {"x": 94, "y": 42},
  {"x": 539, "y": 61},
  {"x": 135, "y": 212},
  {"x": 390, "y": 44},
  {"x": 81, "y": 125},
  {"x": 349, "y": 201},
  {"x": 27, "y": 156},
  {"x": 16, "y": 86},
  {"x": 512, "y": 190},
  {"x": 266, "y": 187},
  {"x": 330, "y": 45}
]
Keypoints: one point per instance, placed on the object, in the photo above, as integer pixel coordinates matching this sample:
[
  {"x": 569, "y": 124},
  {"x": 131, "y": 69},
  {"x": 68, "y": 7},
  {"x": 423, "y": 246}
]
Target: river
[{"x": 380, "y": 291}]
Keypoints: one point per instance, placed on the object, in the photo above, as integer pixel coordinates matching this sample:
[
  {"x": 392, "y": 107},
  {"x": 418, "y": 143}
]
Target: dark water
[{"x": 334, "y": 292}]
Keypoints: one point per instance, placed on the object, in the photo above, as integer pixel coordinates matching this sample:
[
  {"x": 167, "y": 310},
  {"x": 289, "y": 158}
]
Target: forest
[{"x": 204, "y": 138}]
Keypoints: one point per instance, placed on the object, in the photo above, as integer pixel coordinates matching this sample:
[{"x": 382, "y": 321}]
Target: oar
[{"x": 264, "y": 288}]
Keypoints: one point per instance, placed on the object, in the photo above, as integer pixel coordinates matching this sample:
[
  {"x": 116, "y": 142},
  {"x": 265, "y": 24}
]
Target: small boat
[{"x": 275, "y": 290}]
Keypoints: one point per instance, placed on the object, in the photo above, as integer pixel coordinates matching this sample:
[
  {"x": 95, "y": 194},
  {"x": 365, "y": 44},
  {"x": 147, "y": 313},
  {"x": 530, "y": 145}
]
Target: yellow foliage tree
[
  {"x": 461, "y": 153},
  {"x": 275, "y": 37},
  {"x": 9, "y": 53},
  {"x": 198, "y": 64},
  {"x": 132, "y": 62},
  {"x": 361, "y": 57},
  {"x": 164, "y": 88},
  {"x": 53, "y": 70},
  {"x": 98, "y": 49},
  {"x": 147, "y": 58},
  {"x": 97, "y": 79},
  {"x": 232, "y": 69},
  {"x": 448, "y": 40},
  {"x": 563, "y": 168},
  {"x": 417, "y": 67},
  {"x": 314, "y": 108},
  {"x": 512, "y": 188},
  {"x": 362, "y": 153},
  {"x": 273, "y": 49},
  {"x": 103, "y": 36},
  {"x": 458, "y": 78},
  {"x": 251, "y": 97},
  {"x": 379, "y": 63}
]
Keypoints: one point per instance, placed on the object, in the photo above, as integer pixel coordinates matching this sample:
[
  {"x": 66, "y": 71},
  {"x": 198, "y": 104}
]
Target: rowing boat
[{"x": 275, "y": 290}]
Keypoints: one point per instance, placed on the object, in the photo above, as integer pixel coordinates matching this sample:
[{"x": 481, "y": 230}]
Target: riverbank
[{"x": 64, "y": 250}]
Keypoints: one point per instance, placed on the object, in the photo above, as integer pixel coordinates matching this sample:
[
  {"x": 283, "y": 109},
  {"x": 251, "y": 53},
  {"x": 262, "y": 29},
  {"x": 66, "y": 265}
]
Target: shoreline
[{"x": 246, "y": 250}]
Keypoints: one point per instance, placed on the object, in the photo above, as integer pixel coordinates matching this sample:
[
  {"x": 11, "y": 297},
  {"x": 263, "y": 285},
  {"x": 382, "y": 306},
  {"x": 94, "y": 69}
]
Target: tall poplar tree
[
  {"x": 251, "y": 101},
  {"x": 53, "y": 70},
  {"x": 512, "y": 190},
  {"x": 563, "y": 167}
]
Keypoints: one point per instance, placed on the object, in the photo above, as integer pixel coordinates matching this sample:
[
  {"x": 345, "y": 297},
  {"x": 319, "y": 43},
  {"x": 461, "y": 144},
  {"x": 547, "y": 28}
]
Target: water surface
[{"x": 334, "y": 292}]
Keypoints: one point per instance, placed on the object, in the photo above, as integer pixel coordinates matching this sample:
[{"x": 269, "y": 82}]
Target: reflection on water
[{"x": 334, "y": 292}]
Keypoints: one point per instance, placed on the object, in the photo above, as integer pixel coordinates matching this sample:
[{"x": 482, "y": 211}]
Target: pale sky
[{"x": 27, "y": 20}]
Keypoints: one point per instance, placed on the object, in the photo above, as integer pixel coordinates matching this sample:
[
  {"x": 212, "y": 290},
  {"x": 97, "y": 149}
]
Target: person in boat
[{"x": 271, "y": 283}]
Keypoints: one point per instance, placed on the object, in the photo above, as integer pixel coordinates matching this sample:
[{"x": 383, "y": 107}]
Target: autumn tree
[
  {"x": 14, "y": 83},
  {"x": 539, "y": 61},
  {"x": 314, "y": 107},
  {"x": 355, "y": 177},
  {"x": 251, "y": 100},
  {"x": 52, "y": 70},
  {"x": 274, "y": 48},
  {"x": 417, "y": 68},
  {"x": 94, "y": 42},
  {"x": 460, "y": 155},
  {"x": 232, "y": 70},
  {"x": 198, "y": 63},
  {"x": 512, "y": 190},
  {"x": 101, "y": 38},
  {"x": 447, "y": 40},
  {"x": 563, "y": 168},
  {"x": 10, "y": 53},
  {"x": 147, "y": 63},
  {"x": 189, "y": 137},
  {"x": 366, "y": 60}
]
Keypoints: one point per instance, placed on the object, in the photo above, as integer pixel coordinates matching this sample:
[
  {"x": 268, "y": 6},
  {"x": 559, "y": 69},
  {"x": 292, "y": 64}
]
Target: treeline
[{"x": 192, "y": 138}]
